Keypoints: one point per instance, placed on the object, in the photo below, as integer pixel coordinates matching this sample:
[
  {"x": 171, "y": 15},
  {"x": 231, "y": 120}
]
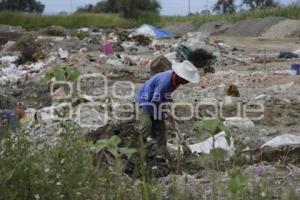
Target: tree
[
  {"x": 225, "y": 6},
  {"x": 22, "y": 5},
  {"x": 260, "y": 4},
  {"x": 129, "y": 8}
]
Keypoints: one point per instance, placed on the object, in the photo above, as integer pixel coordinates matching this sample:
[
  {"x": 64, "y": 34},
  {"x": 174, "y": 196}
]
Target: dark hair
[{"x": 200, "y": 55}]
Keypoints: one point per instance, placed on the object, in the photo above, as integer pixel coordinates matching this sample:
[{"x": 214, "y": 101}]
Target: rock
[
  {"x": 160, "y": 64},
  {"x": 240, "y": 123}
]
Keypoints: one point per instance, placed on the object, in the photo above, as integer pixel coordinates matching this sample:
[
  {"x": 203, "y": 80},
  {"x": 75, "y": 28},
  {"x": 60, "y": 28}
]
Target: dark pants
[{"x": 155, "y": 129}]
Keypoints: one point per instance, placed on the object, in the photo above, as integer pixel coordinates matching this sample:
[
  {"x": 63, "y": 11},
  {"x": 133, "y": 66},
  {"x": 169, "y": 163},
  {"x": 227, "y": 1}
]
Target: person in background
[
  {"x": 11, "y": 117},
  {"x": 203, "y": 58}
]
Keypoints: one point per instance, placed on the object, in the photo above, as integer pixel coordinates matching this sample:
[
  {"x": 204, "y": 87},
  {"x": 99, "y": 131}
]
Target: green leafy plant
[
  {"x": 111, "y": 145},
  {"x": 237, "y": 185},
  {"x": 63, "y": 74},
  {"x": 210, "y": 127}
]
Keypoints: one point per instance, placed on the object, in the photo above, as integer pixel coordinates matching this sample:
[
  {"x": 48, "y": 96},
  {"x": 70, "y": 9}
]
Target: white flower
[
  {"x": 47, "y": 170},
  {"x": 61, "y": 196},
  {"x": 263, "y": 194},
  {"x": 62, "y": 161},
  {"x": 78, "y": 193},
  {"x": 58, "y": 183},
  {"x": 37, "y": 197}
]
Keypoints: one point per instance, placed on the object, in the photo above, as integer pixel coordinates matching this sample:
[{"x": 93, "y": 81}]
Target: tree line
[
  {"x": 132, "y": 8},
  {"x": 229, "y": 6},
  {"x": 31, "y": 6}
]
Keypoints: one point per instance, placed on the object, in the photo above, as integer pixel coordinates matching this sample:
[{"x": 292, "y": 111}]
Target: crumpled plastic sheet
[{"x": 283, "y": 140}]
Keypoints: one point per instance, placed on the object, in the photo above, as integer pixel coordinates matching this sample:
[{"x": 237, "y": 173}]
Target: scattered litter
[
  {"x": 220, "y": 142},
  {"x": 106, "y": 48},
  {"x": 9, "y": 59},
  {"x": 141, "y": 40},
  {"x": 283, "y": 140},
  {"x": 282, "y": 87},
  {"x": 152, "y": 31},
  {"x": 63, "y": 54},
  {"x": 263, "y": 97},
  {"x": 287, "y": 55},
  {"x": 295, "y": 69},
  {"x": 297, "y": 52},
  {"x": 238, "y": 122},
  {"x": 282, "y": 72},
  {"x": 114, "y": 62}
]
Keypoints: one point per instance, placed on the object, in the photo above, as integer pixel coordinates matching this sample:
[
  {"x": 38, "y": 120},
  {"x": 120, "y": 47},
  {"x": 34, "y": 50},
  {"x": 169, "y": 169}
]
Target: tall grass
[
  {"x": 116, "y": 21},
  {"x": 68, "y": 21},
  {"x": 290, "y": 12}
]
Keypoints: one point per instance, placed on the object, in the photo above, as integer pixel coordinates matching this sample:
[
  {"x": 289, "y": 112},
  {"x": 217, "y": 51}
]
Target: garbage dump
[{"x": 93, "y": 80}]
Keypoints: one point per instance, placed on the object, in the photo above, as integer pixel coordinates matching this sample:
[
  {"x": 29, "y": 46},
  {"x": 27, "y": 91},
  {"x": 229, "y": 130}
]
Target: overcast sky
[{"x": 169, "y": 7}]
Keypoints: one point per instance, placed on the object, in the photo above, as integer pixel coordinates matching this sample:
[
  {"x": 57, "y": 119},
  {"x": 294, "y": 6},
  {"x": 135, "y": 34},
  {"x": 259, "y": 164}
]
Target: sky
[{"x": 169, "y": 7}]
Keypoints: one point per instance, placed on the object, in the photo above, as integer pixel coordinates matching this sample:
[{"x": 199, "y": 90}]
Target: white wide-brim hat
[{"x": 187, "y": 71}]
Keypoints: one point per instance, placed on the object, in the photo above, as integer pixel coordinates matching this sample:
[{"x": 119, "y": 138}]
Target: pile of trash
[{"x": 134, "y": 56}]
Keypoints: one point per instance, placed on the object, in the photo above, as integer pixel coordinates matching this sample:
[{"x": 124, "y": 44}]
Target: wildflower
[
  {"x": 62, "y": 161},
  {"x": 61, "y": 196},
  {"x": 259, "y": 169},
  {"x": 37, "y": 197},
  {"x": 263, "y": 194},
  {"x": 58, "y": 183},
  {"x": 47, "y": 170}
]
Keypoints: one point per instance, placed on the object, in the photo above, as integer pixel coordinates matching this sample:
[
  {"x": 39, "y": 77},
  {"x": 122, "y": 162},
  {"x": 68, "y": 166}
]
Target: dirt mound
[
  {"x": 178, "y": 30},
  {"x": 252, "y": 28},
  {"x": 284, "y": 29},
  {"x": 30, "y": 49},
  {"x": 55, "y": 31},
  {"x": 214, "y": 27}
]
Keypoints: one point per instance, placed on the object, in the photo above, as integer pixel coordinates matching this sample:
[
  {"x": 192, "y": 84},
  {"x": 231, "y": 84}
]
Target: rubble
[{"x": 245, "y": 73}]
